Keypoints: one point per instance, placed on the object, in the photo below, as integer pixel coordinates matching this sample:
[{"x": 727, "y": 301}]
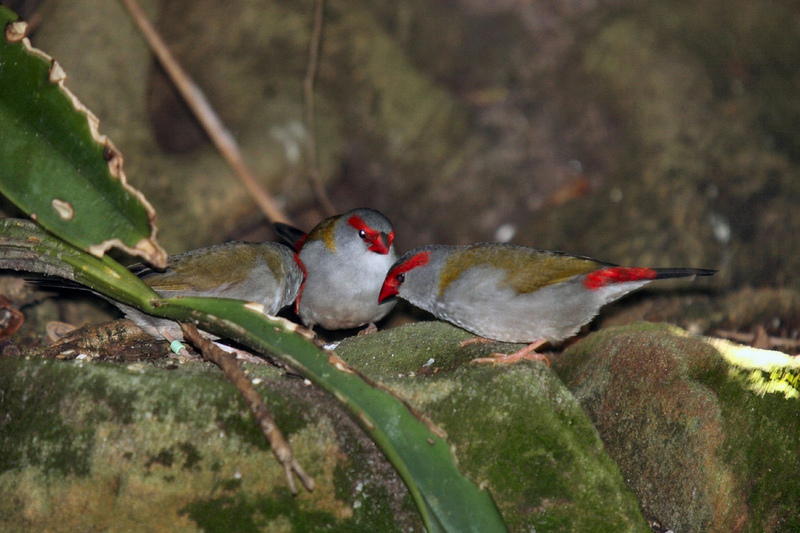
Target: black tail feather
[
  {"x": 668, "y": 273},
  {"x": 290, "y": 235}
]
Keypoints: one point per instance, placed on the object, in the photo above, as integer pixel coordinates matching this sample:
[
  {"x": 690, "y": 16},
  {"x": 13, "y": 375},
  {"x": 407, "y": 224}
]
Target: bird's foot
[
  {"x": 527, "y": 353},
  {"x": 371, "y": 328},
  {"x": 474, "y": 340}
]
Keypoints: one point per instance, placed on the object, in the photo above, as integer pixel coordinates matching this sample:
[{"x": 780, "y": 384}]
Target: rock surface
[
  {"x": 175, "y": 445},
  {"x": 88, "y": 446},
  {"x": 700, "y": 448}
]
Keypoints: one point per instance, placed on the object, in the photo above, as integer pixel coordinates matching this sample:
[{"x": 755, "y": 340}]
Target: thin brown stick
[
  {"x": 233, "y": 371},
  {"x": 750, "y": 338},
  {"x": 308, "y": 90},
  {"x": 212, "y": 124}
]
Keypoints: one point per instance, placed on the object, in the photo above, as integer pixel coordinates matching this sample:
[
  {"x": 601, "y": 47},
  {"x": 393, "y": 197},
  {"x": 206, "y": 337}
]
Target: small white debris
[
  {"x": 292, "y": 136},
  {"x": 82, "y": 356},
  {"x": 576, "y": 165},
  {"x": 256, "y": 381},
  {"x": 307, "y": 382},
  {"x": 331, "y": 346},
  {"x": 694, "y": 328},
  {"x": 505, "y": 233},
  {"x": 429, "y": 363},
  {"x": 721, "y": 228},
  {"x": 237, "y": 475}
]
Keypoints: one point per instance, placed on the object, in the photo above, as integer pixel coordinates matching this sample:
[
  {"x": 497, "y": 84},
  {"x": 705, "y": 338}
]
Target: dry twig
[
  {"x": 308, "y": 90},
  {"x": 233, "y": 371},
  {"x": 197, "y": 102},
  {"x": 759, "y": 339}
]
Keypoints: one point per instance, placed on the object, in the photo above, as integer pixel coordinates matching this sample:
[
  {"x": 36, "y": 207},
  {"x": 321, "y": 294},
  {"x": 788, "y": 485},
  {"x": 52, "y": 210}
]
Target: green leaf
[
  {"x": 447, "y": 500},
  {"x": 54, "y": 163}
]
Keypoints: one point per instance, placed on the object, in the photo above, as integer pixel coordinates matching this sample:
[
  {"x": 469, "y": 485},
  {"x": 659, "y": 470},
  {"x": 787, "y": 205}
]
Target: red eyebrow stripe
[
  {"x": 607, "y": 276},
  {"x": 412, "y": 262},
  {"x": 359, "y": 225}
]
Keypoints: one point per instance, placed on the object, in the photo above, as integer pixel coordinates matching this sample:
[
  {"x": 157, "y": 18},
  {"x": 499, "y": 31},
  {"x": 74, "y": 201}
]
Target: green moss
[
  {"x": 34, "y": 398},
  {"x": 516, "y": 430},
  {"x": 409, "y": 348},
  {"x": 237, "y": 513},
  {"x": 179, "y": 447},
  {"x": 673, "y": 413},
  {"x": 761, "y": 445},
  {"x": 191, "y": 454}
]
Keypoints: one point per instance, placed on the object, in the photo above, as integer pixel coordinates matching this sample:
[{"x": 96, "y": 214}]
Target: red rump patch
[{"x": 607, "y": 276}]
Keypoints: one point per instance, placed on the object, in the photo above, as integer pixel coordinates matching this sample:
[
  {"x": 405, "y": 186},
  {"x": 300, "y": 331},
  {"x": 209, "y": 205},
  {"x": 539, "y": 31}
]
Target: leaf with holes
[{"x": 54, "y": 163}]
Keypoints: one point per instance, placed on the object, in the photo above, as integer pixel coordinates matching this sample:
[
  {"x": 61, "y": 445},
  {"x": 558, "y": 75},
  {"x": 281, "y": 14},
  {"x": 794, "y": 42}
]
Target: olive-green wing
[
  {"x": 527, "y": 269},
  {"x": 204, "y": 270}
]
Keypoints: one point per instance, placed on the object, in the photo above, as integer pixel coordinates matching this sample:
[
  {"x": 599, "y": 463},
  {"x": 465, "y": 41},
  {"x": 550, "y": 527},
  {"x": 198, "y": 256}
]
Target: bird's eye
[
  {"x": 400, "y": 278},
  {"x": 362, "y": 234}
]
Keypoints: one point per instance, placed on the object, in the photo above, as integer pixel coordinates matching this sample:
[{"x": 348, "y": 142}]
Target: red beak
[
  {"x": 390, "y": 288},
  {"x": 382, "y": 243}
]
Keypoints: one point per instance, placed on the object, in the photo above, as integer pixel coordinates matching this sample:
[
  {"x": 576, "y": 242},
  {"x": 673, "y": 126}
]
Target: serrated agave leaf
[{"x": 54, "y": 163}]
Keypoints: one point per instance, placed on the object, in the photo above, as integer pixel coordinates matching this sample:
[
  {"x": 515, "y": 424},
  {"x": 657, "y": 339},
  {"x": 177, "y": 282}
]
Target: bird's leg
[
  {"x": 474, "y": 340},
  {"x": 528, "y": 353},
  {"x": 371, "y": 328}
]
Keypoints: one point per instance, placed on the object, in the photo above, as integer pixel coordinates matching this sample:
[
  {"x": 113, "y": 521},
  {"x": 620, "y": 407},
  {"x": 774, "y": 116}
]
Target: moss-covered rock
[
  {"x": 174, "y": 444},
  {"x": 516, "y": 430},
  {"x": 88, "y": 446},
  {"x": 702, "y": 450}
]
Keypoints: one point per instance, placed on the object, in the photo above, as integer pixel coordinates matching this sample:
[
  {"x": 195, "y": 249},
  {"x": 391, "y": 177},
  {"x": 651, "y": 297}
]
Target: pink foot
[
  {"x": 528, "y": 353},
  {"x": 474, "y": 340},
  {"x": 371, "y": 328}
]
